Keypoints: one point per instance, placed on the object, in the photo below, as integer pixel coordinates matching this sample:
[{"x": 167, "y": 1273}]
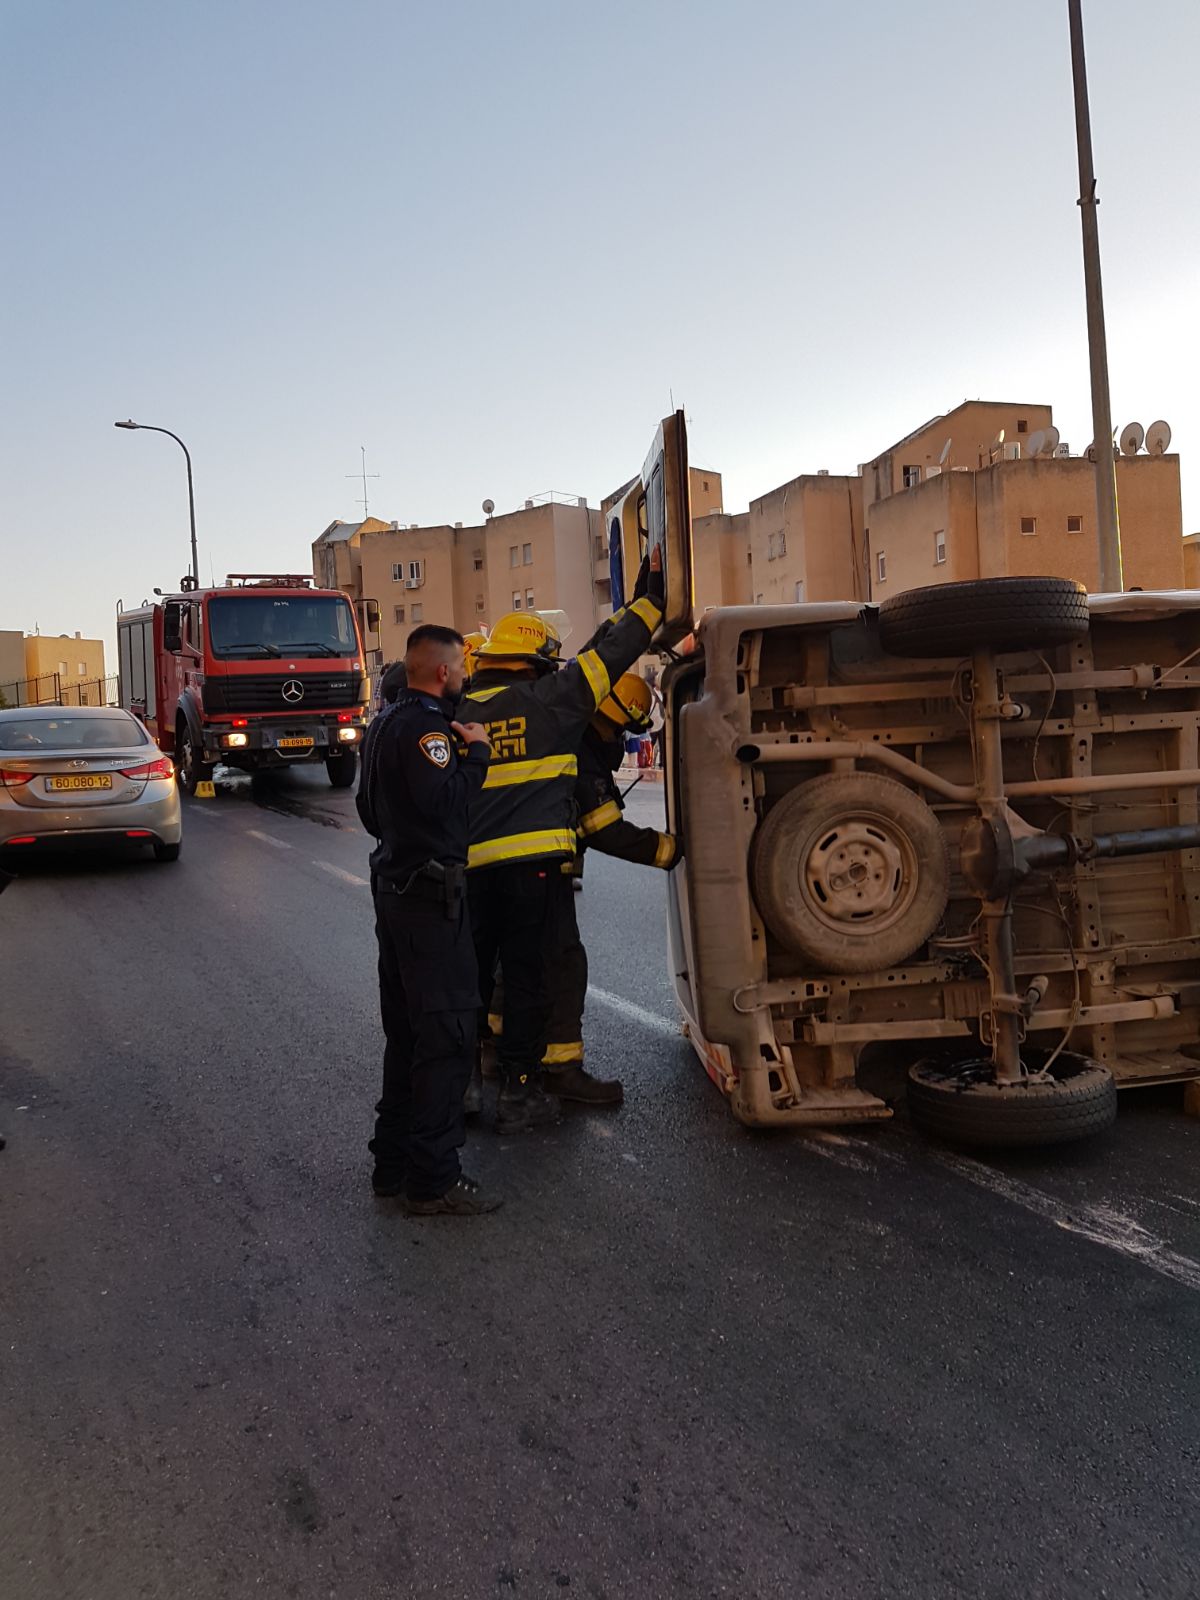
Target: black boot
[
  {"x": 574, "y": 1082},
  {"x": 464, "y": 1199},
  {"x": 525, "y": 1105}
]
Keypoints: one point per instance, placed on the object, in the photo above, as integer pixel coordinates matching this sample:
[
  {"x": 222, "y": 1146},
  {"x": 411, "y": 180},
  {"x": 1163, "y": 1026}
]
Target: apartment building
[{"x": 544, "y": 556}]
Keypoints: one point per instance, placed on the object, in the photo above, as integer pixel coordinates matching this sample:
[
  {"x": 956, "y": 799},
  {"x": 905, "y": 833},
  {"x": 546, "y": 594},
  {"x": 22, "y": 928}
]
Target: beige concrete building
[
  {"x": 546, "y": 556},
  {"x": 962, "y": 498},
  {"x": 60, "y": 664},
  {"x": 12, "y": 662}
]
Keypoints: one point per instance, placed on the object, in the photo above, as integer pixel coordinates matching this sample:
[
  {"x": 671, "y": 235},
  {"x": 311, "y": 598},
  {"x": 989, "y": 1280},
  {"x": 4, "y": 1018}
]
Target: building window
[
  {"x": 1028, "y": 524},
  {"x": 881, "y": 567},
  {"x": 397, "y": 572},
  {"x": 514, "y": 555},
  {"x": 477, "y": 563},
  {"x": 80, "y": 668},
  {"x": 62, "y": 669},
  {"x": 516, "y": 599},
  {"x": 1022, "y": 425},
  {"x": 398, "y": 612},
  {"x": 912, "y": 477},
  {"x": 1074, "y": 524},
  {"x": 758, "y": 599},
  {"x": 799, "y": 591},
  {"x": 415, "y": 571},
  {"x": 776, "y": 545},
  {"x": 418, "y": 613},
  {"x": 939, "y": 548},
  {"x": 704, "y": 483},
  {"x": 526, "y": 555},
  {"x": 479, "y": 605},
  {"x": 529, "y": 599}
]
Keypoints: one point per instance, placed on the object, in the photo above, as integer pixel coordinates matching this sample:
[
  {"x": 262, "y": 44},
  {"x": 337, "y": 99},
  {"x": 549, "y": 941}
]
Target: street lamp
[{"x": 147, "y": 428}]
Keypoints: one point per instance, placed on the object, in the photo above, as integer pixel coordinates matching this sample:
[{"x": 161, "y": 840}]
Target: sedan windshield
[
  {"x": 117, "y": 732},
  {"x": 250, "y": 625}
]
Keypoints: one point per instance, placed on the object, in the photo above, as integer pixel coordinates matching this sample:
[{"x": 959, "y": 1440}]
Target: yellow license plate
[
  {"x": 293, "y": 744},
  {"x": 93, "y": 780}
]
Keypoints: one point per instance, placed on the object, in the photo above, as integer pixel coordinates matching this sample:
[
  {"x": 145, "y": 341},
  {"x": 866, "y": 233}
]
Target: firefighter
[
  {"x": 601, "y": 827},
  {"x": 413, "y": 798},
  {"x": 522, "y": 826},
  {"x": 471, "y": 644}
]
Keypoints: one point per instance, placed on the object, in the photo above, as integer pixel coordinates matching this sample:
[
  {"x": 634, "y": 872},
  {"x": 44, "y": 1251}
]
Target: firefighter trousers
[
  {"x": 512, "y": 911},
  {"x": 566, "y": 980},
  {"x": 428, "y": 1000}
]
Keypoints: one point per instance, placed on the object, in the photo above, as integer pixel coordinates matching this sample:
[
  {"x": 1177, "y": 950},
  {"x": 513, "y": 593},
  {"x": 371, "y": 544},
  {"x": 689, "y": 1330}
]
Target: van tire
[
  {"x": 959, "y": 1102},
  {"x": 342, "y": 768},
  {"x": 955, "y": 619},
  {"x": 851, "y": 871}
]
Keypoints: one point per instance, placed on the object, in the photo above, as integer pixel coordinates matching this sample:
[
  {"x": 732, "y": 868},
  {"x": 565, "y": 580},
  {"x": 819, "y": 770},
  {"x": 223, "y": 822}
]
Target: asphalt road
[{"x": 683, "y": 1360}]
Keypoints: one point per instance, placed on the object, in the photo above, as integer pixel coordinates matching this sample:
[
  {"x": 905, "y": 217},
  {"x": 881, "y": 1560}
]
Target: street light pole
[
  {"x": 1108, "y": 525},
  {"x": 146, "y": 427}
]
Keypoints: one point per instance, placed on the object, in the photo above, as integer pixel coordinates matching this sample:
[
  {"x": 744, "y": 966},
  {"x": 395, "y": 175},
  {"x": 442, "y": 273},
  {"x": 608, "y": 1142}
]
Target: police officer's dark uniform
[{"x": 413, "y": 798}]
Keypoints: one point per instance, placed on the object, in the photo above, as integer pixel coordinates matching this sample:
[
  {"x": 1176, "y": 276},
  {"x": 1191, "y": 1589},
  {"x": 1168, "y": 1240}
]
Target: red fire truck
[{"x": 260, "y": 673}]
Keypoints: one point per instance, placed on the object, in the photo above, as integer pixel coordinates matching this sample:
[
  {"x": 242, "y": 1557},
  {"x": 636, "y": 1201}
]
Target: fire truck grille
[{"x": 277, "y": 692}]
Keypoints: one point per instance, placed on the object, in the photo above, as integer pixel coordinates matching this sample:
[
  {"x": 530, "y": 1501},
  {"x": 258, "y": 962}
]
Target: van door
[{"x": 656, "y": 513}]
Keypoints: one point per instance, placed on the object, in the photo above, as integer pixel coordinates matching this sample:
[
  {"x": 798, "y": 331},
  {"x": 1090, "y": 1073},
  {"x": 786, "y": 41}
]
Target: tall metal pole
[
  {"x": 1108, "y": 525},
  {"x": 146, "y": 427}
]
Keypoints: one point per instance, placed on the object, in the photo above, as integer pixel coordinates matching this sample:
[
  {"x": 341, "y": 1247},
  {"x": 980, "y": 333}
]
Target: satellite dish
[
  {"x": 1158, "y": 438},
  {"x": 1132, "y": 439},
  {"x": 488, "y": 507},
  {"x": 1035, "y": 443},
  {"x": 943, "y": 458},
  {"x": 1050, "y": 437}
]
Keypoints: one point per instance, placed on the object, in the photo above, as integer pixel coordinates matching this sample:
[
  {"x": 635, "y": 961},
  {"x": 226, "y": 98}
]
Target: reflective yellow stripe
[
  {"x": 558, "y": 1055},
  {"x": 664, "y": 856},
  {"x": 496, "y": 1023},
  {"x": 501, "y": 774},
  {"x": 596, "y": 674},
  {"x": 648, "y": 611},
  {"x": 519, "y": 846},
  {"x": 603, "y": 816},
  {"x": 487, "y": 694}
]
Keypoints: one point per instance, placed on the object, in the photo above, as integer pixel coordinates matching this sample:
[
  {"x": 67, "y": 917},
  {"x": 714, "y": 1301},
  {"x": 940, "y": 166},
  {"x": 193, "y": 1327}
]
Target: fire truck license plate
[
  {"x": 293, "y": 744},
  {"x": 73, "y": 785}
]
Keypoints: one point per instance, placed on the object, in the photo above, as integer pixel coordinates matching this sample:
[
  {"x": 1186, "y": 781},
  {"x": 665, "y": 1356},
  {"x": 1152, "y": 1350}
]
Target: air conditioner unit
[
  {"x": 413, "y": 583},
  {"x": 1062, "y": 451},
  {"x": 1012, "y": 450}
]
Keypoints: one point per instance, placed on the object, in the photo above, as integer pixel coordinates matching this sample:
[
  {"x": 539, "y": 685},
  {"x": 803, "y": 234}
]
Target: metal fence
[{"x": 53, "y": 689}]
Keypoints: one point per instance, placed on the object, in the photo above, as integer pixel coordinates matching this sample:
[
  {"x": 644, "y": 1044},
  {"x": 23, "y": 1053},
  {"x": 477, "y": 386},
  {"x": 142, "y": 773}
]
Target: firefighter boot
[
  {"x": 525, "y": 1105},
  {"x": 572, "y": 1081}
]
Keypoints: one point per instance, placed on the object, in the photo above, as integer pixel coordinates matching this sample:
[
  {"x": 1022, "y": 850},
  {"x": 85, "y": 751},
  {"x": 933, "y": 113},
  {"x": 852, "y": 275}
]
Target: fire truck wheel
[
  {"x": 953, "y": 619},
  {"x": 190, "y": 768},
  {"x": 342, "y": 768},
  {"x": 957, "y": 1101},
  {"x": 851, "y": 871}
]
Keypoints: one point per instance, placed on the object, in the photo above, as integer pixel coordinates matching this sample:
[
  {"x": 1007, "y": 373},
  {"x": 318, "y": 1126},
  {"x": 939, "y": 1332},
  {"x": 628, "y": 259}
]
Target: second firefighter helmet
[
  {"x": 520, "y": 637},
  {"x": 472, "y": 643},
  {"x": 629, "y": 703}
]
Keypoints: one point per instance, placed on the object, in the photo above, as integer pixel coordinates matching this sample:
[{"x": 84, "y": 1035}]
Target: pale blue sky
[{"x": 488, "y": 240}]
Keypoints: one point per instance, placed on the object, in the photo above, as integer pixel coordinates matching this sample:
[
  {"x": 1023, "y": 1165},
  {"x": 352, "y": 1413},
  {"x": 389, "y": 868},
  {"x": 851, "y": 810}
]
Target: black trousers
[
  {"x": 566, "y": 981},
  {"x": 512, "y": 912},
  {"x": 428, "y": 1001}
]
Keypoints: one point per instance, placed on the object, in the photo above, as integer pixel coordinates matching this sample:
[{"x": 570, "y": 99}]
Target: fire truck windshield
[{"x": 274, "y": 625}]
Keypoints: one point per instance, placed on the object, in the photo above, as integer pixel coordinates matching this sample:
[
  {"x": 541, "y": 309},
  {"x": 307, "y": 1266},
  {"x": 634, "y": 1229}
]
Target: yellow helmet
[
  {"x": 519, "y": 637},
  {"x": 471, "y": 644},
  {"x": 629, "y": 702}
]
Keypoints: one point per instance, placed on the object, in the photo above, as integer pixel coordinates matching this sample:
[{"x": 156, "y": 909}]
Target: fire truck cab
[{"x": 259, "y": 673}]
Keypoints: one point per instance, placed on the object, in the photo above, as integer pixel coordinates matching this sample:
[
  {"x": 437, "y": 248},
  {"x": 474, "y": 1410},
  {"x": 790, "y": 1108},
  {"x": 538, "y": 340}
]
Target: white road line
[
  {"x": 340, "y": 872},
  {"x": 268, "y": 838},
  {"x": 648, "y": 1019},
  {"x": 1116, "y": 1231}
]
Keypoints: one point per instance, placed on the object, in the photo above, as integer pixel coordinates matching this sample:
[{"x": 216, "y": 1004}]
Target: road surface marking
[
  {"x": 340, "y": 872},
  {"x": 648, "y": 1019},
  {"x": 1116, "y": 1231},
  {"x": 269, "y": 838}
]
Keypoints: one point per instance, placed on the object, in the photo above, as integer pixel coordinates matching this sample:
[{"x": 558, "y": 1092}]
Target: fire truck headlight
[
  {"x": 347, "y": 735},
  {"x": 235, "y": 741}
]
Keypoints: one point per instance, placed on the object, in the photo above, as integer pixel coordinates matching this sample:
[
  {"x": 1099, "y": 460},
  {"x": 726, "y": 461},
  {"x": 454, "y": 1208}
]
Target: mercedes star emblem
[{"x": 292, "y": 691}]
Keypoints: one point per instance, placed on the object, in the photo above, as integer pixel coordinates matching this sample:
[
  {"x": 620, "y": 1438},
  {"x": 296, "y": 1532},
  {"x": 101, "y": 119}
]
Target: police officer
[
  {"x": 523, "y": 827},
  {"x": 413, "y": 798}
]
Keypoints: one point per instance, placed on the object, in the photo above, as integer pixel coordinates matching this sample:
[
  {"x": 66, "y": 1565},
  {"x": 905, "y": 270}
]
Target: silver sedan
[{"x": 84, "y": 776}]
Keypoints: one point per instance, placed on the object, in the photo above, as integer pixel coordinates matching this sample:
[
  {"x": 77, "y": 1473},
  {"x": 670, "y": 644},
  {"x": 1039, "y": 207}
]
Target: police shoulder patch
[{"x": 435, "y": 747}]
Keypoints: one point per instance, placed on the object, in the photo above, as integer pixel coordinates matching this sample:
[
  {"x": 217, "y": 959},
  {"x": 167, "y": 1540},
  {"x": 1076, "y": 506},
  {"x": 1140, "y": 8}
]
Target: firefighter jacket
[
  {"x": 526, "y": 810},
  {"x": 598, "y": 801}
]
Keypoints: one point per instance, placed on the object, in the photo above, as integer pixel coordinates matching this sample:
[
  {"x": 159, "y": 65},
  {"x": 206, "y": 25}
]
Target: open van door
[{"x": 655, "y": 512}]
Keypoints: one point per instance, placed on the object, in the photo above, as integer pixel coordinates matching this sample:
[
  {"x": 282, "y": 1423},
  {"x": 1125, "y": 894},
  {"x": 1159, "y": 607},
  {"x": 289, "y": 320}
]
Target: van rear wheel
[
  {"x": 955, "y": 619},
  {"x": 851, "y": 871},
  {"x": 961, "y": 1102}
]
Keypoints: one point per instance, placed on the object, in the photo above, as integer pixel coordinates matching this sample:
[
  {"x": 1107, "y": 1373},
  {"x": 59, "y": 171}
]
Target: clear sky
[{"x": 489, "y": 240}]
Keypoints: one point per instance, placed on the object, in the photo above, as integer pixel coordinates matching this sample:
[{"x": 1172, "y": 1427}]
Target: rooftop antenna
[{"x": 364, "y": 475}]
